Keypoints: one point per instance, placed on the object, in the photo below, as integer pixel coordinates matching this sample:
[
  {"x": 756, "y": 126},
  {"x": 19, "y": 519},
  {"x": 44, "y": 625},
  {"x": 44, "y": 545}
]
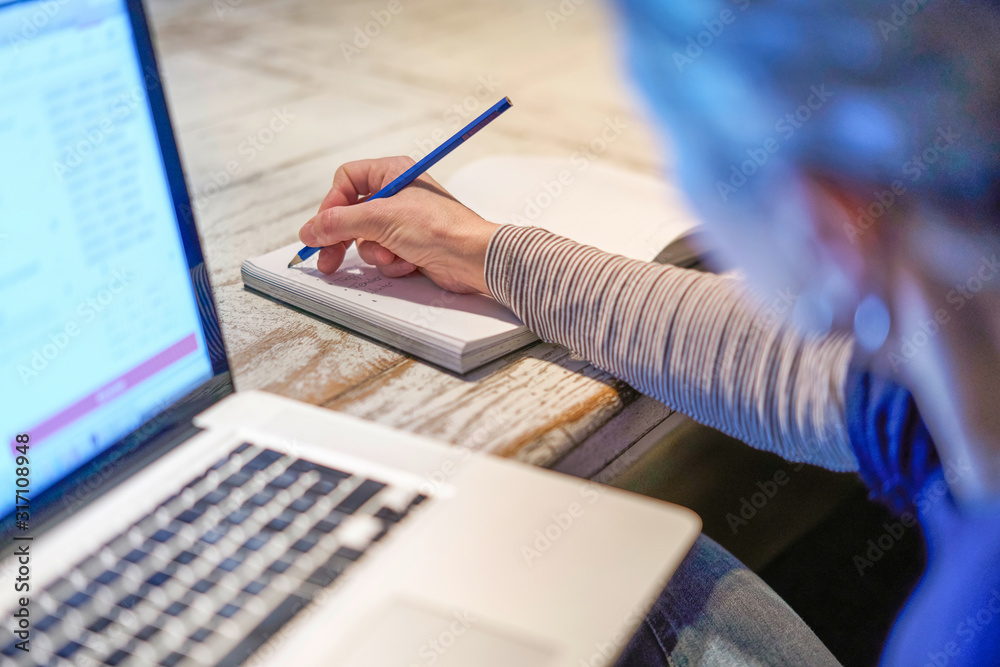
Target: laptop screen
[{"x": 100, "y": 321}]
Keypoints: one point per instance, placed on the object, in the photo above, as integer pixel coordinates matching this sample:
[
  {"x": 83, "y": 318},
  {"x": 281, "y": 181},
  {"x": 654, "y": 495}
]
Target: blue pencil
[{"x": 419, "y": 168}]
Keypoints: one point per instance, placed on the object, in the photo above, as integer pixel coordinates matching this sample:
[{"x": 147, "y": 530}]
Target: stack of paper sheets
[
  {"x": 618, "y": 211},
  {"x": 457, "y": 331}
]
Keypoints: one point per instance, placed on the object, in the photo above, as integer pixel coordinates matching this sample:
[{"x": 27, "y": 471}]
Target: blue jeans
[{"x": 714, "y": 611}]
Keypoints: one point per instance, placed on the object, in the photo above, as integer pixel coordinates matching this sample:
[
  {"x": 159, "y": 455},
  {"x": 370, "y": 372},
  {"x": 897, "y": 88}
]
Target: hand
[{"x": 420, "y": 228}]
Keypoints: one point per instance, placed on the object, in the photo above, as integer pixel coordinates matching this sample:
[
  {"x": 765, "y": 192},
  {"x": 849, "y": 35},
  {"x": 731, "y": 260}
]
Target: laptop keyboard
[{"x": 209, "y": 575}]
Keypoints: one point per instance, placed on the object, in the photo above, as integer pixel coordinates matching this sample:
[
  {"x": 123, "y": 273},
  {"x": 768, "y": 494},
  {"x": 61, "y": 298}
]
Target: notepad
[{"x": 616, "y": 210}]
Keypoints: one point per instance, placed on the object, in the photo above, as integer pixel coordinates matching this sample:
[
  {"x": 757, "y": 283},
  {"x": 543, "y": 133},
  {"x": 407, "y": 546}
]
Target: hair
[{"x": 855, "y": 91}]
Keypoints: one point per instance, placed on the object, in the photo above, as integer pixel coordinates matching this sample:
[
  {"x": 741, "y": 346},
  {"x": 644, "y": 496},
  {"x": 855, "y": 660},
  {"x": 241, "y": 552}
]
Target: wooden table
[{"x": 269, "y": 97}]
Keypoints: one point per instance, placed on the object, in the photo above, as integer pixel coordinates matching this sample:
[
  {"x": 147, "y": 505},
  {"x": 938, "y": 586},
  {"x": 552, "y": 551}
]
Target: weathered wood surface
[{"x": 269, "y": 97}]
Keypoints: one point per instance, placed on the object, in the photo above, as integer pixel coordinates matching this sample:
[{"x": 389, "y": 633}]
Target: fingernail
[{"x": 306, "y": 234}]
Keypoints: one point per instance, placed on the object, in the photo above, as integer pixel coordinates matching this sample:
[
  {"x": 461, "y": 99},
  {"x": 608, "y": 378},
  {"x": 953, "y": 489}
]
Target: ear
[{"x": 853, "y": 230}]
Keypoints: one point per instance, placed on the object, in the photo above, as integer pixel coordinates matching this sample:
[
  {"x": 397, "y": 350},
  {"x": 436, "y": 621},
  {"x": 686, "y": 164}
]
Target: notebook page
[
  {"x": 411, "y": 304},
  {"x": 612, "y": 209}
]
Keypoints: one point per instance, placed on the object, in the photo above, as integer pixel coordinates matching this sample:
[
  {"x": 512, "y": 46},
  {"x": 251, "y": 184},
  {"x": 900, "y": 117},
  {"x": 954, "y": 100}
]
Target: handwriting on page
[
  {"x": 410, "y": 305},
  {"x": 363, "y": 279}
]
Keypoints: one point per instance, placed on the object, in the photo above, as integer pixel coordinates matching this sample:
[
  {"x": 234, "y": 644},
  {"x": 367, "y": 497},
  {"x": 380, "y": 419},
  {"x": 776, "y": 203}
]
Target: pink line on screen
[{"x": 112, "y": 390}]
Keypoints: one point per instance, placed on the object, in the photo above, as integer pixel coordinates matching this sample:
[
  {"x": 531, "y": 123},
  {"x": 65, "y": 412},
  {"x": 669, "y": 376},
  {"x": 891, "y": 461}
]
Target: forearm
[{"x": 695, "y": 341}]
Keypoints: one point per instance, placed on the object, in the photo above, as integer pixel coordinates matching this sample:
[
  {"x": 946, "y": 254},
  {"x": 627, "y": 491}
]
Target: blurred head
[{"x": 839, "y": 149}]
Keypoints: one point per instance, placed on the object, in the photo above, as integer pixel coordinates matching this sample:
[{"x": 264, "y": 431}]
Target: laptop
[{"x": 153, "y": 516}]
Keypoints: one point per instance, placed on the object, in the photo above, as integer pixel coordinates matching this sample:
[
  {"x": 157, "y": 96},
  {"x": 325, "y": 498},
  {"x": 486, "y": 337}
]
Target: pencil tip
[{"x": 295, "y": 261}]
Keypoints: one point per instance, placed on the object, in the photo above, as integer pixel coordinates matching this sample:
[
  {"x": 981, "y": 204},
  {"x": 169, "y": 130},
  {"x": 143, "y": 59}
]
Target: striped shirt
[{"x": 702, "y": 344}]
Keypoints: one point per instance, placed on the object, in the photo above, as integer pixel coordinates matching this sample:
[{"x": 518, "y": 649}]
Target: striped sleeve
[{"x": 698, "y": 342}]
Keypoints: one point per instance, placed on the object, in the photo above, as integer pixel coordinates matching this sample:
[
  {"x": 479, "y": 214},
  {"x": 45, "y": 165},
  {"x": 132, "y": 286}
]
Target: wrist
[{"x": 475, "y": 256}]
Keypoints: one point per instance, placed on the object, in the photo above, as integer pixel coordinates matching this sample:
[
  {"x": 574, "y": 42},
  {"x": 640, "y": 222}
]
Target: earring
[{"x": 871, "y": 323}]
